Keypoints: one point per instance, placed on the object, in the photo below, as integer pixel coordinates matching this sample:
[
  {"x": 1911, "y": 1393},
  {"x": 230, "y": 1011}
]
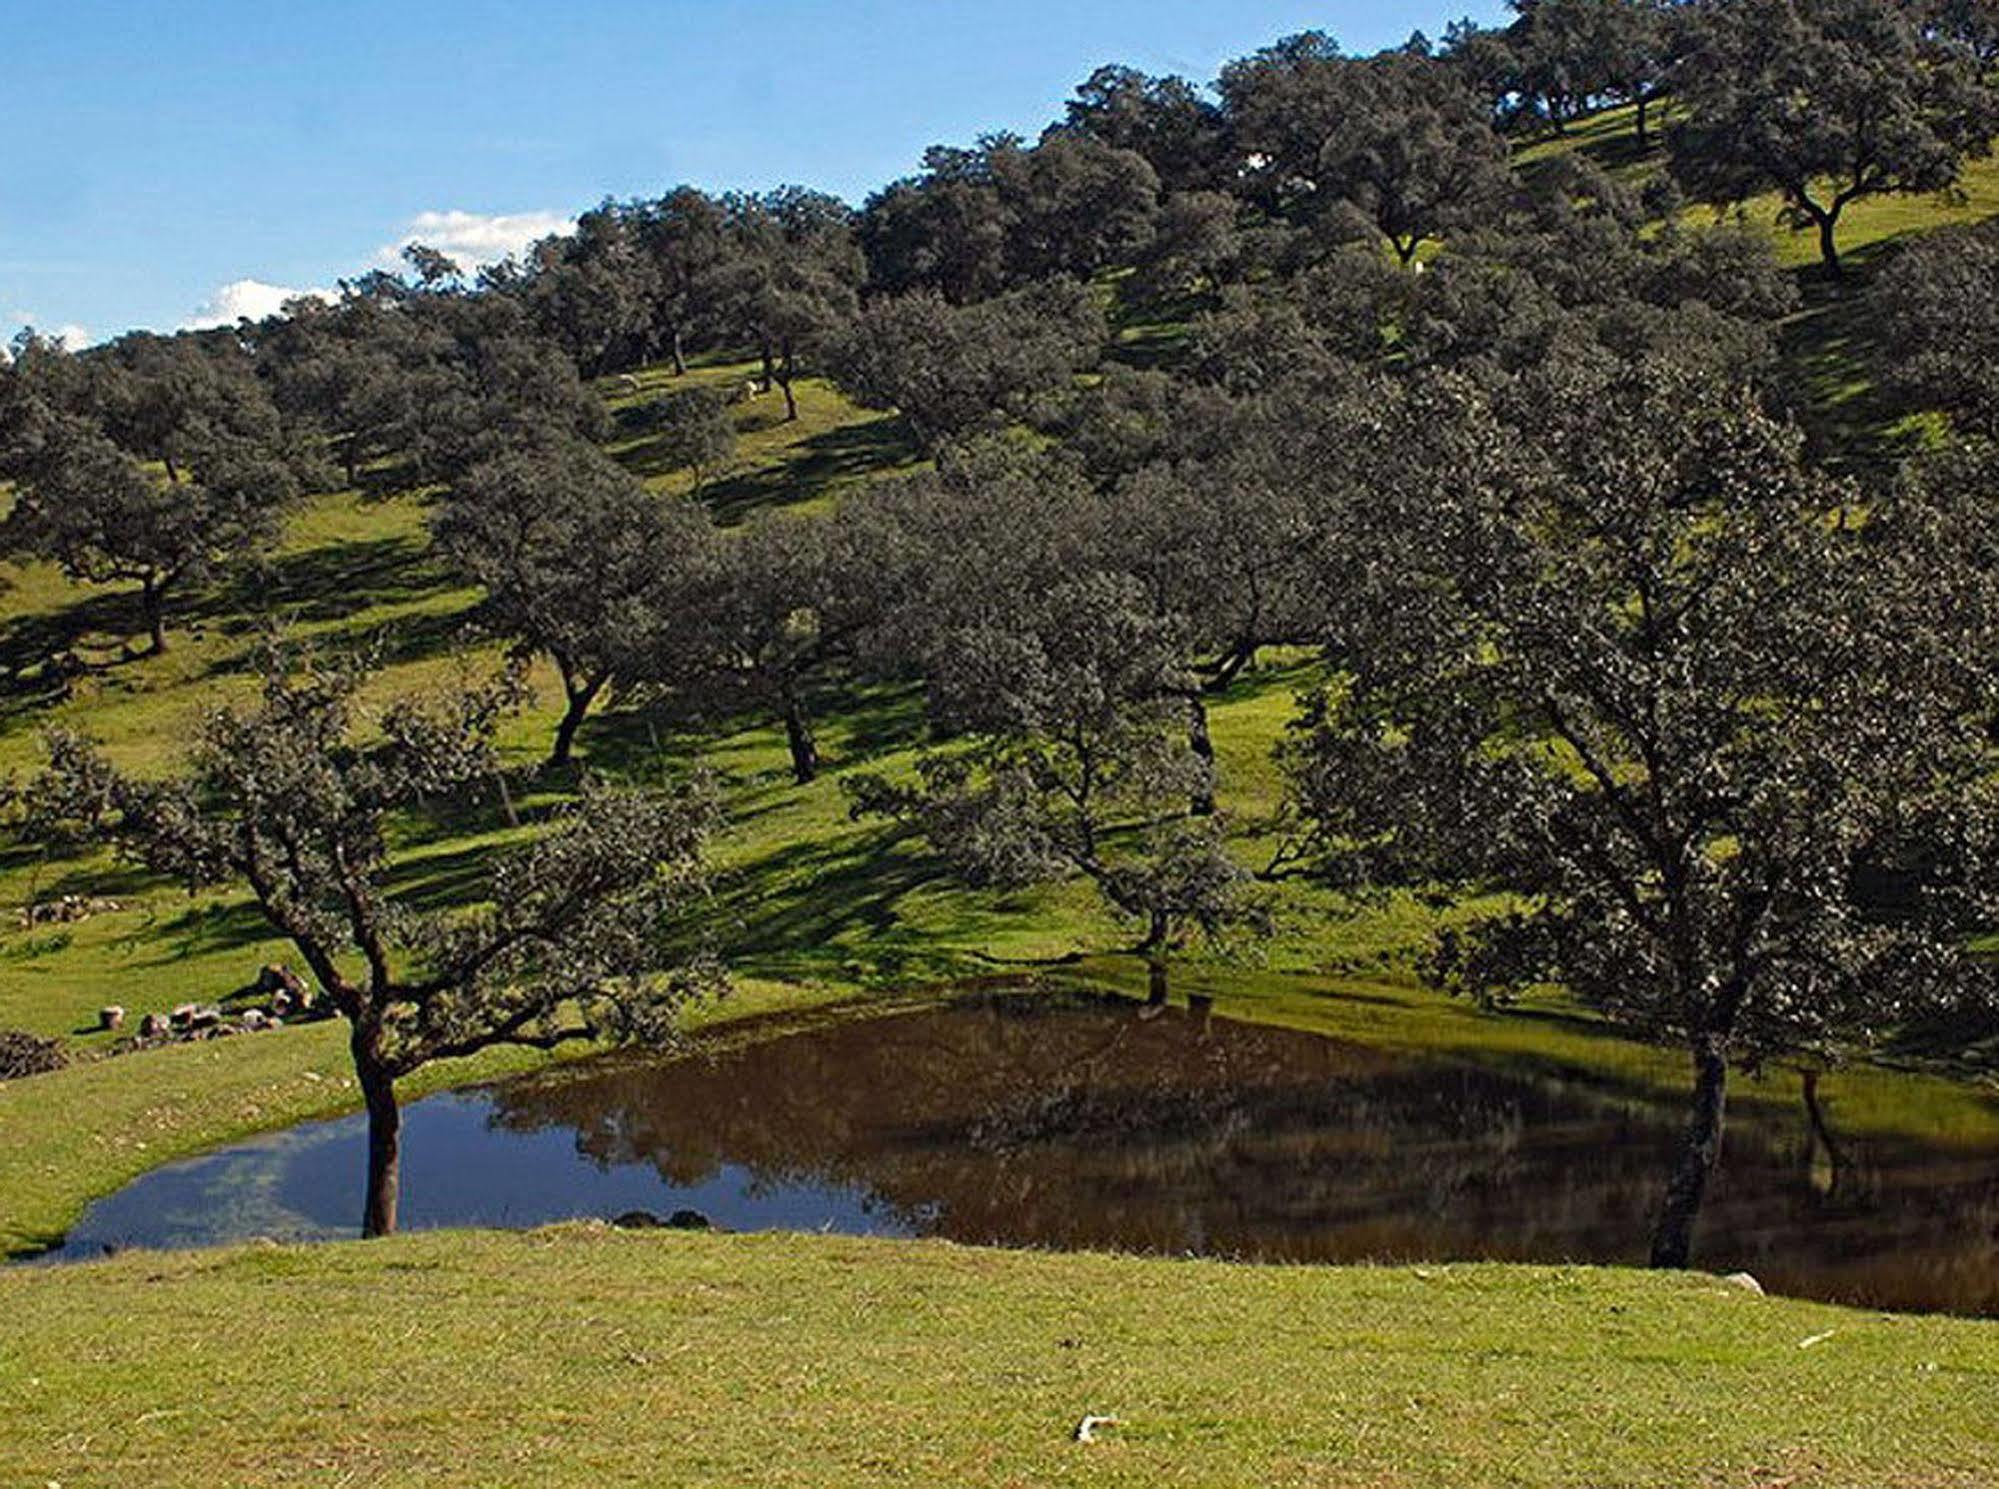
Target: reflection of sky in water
[
  {"x": 1075, "y": 1124},
  {"x": 305, "y": 1185}
]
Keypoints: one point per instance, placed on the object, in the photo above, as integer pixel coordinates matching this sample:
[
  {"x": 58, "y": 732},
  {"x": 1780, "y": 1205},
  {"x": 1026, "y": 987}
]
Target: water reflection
[{"x": 1065, "y": 1124}]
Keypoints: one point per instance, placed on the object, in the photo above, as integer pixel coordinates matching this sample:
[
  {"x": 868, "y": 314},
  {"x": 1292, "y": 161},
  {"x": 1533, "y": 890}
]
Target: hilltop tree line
[{"x": 1499, "y": 456}]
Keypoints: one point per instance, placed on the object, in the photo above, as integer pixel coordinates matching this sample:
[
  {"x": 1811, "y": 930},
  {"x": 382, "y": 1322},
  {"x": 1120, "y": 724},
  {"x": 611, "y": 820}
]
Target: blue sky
[{"x": 166, "y": 159}]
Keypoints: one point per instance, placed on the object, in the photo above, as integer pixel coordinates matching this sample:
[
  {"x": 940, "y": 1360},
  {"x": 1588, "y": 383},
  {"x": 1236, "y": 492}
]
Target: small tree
[
  {"x": 1079, "y": 764},
  {"x": 693, "y": 430},
  {"x": 1826, "y": 102},
  {"x": 577, "y": 559},
  {"x": 788, "y": 278},
  {"x": 295, "y": 798},
  {"x": 1639, "y": 672},
  {"x": 96, "y": 512},
  {"x": 1412, "y": 152}
]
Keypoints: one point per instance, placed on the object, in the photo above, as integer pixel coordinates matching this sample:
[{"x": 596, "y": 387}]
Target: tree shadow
[
  {"x": 98, "y": 621},
  {"x": 1832, "y": 352},
  {"x": 813, "y": 467},
  {"x": 330, "y": 583},
  {"x": 831, "y": 890}
]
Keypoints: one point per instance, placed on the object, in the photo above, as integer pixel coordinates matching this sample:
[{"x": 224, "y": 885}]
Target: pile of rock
[
  {"x": 28, "y": 1054},
  {"x": 64, "y": 909}
]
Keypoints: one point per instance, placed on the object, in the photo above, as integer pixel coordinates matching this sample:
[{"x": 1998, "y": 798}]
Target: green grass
[{"x": 585, "y": 1356}]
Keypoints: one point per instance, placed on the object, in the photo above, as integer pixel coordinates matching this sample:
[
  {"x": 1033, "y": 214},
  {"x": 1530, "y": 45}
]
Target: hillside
[{"x": 806, "y": 896}]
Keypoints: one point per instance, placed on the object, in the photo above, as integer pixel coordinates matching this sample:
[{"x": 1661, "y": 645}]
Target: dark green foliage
[
  {"x": 1637, "y": 668},
  {"x": 1180, "y": 134},
  {"x": 953, "y": 371},
  {"x": 789, "y": 278},
  {"x": 1826, "y": 102},
  {"x": 1004, "y": 214},
  {"x": 692, "y": 429},
  {"x": 87, "y": 501},
  {"x": 1411, "y": 153},
  {"x": 1938, "y": 300},
  {"x": 578, "y": 561}
]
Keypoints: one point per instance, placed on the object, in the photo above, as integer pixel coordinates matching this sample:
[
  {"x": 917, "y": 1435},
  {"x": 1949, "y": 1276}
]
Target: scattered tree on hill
[
  {"x": 1283, "y": 103},
  {"x": 578, "y": 560},
  {"x": 91, "y": 508},
  {"x": 694, "y": 430},
  {"x": 1826, "y": 102},
  {"x": 953, "y": 371},
  {"x": 295, "y": 797},
  {"x": 1079, "y": 765},
  {"x": 684, "y": 236},
  {"x": 1197, "y": 245},
  {"x": 790, "y": 279},
  {"x": 1179, "y": 133},
  {"x": 1411, "y": 151},
  {"x": 1637, "y": 674}
]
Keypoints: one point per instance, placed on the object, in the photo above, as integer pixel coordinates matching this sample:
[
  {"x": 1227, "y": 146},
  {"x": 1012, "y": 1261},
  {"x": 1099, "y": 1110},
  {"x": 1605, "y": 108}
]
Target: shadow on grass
[
  {"x": 99, "y": 629},
  {"x": 803, "y": 900},
  {"x": 809, "y": 469},
  {"x": 330, "y": 583},
  {"x": 1833, "y": 351}
]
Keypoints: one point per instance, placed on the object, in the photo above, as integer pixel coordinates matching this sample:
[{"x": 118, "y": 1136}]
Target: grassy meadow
[{"x": 582, "y": 1356}]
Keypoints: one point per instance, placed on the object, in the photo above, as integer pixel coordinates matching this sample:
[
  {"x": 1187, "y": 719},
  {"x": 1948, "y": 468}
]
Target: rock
[
  {"x": 1743, "y": 1281},
  {"x": 153, "y": 1026},
  {"x": 256, "y": 1019},
  {"x": 183, "y": 1015},
  {"x": 28, "y": 1054},
  {"x": 203, "y": 1018},
  {"x": 678, "y": 1220},
  {"x": 112, "y": 1017}
]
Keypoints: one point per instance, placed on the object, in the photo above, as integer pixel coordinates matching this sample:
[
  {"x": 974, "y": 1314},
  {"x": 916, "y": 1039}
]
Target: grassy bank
[{"x": 582, "y": 1356}]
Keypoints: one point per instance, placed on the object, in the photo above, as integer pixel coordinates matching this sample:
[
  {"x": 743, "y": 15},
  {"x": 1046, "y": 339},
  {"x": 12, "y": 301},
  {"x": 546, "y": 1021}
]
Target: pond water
[{"x": 1037, "y": 1121}]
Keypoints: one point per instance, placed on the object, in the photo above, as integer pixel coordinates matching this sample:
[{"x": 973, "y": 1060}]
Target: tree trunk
[
  {"x": 385, "y": 1122},
  {"x": 790, "y": 398},
  {"x": 153, "y": 599},
  {"x": 679, "y": 355},
  {"x": 1644, "y": 134},
  {"x": 1829, "y": 243},
  {"x": 173, "y": 472},
  {"x": 1202, "y": 802},
  {"x": 580, "y": 700},
  {"x": 1700, "y": 1150},
  {"x": 1155, "y": 982},
  {"x": 798, "y": 734}
]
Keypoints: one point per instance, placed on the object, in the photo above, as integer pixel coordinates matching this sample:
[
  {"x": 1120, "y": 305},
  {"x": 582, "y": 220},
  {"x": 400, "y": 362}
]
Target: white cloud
[
  {"x": 242, "y": 299},
  {"x": 70, "y": 334},
  {"x": 474, "y": 239}
]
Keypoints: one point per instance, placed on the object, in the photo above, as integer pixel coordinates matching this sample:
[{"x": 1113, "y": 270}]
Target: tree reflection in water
[{"x": 1035, "y": 1121}]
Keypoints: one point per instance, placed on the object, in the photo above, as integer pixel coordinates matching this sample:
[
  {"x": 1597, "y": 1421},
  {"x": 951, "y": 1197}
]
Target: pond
[{"x": 1031, "y": 1120}]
